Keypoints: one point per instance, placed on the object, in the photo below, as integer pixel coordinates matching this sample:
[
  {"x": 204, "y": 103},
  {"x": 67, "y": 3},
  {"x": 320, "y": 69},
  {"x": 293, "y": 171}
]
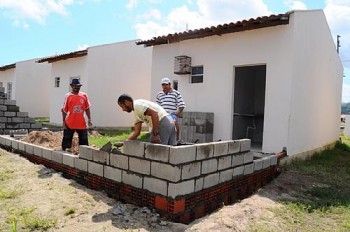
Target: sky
[{"x": 31, "y": 29}]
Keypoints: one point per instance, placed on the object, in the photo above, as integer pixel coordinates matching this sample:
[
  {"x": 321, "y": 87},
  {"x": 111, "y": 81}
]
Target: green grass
[
  {"x": 27, "y": 220},
  {"x": 325, "y": 204},
  {"x": 113, "y": 136},
  {"x": 42, "y": 119}
]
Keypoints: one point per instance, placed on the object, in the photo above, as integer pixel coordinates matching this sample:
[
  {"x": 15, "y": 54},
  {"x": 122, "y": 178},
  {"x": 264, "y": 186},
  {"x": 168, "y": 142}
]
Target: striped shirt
[{"x": 170, "y": 101}]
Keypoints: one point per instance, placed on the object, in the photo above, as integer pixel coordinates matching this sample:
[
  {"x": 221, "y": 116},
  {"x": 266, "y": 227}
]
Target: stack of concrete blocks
[
  {"x": 196, "y": 127},
  {"x": 12, "y": 119},
  {"x": 170, "y": 173}
]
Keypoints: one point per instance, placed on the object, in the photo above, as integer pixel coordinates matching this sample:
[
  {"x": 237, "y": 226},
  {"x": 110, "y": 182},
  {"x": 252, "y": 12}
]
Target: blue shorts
[{"x": 174, "y": 116}]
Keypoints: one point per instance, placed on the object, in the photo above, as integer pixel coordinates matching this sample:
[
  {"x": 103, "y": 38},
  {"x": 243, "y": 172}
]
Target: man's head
[
  {"x": 166, "y": 84},
  {"x": 75, "y": 85},
  {"x": 126, "y": 103}
]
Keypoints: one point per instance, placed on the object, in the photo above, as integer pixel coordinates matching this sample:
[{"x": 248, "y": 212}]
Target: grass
[
  {"x": 325, "y": 204},
  {"x": 42, "y": 119},
  {"x": 114, "y": 136}
]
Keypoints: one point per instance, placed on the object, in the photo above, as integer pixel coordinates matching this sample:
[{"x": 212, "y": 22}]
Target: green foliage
[
  {"x": 42, "y": 119},
  {"x": 70, "y": 211}
]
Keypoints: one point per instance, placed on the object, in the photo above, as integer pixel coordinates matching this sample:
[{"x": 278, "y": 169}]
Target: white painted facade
[
  {"x": 303, "y": 80},
  {"x": 106, "y": 72},
  {"x": 30, "y": 82}
]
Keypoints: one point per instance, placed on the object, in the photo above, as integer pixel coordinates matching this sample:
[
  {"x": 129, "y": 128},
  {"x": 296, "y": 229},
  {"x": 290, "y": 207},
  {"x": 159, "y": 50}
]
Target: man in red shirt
[{"x": 75, "y": 105}]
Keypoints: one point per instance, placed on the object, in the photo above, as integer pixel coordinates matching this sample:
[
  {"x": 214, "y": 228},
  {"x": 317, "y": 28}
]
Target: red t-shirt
[{"x": 74, "y": 106}]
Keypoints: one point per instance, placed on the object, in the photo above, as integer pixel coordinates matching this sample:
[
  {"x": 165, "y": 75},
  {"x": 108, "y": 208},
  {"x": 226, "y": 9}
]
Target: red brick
[{"x": 161, "y": 203}]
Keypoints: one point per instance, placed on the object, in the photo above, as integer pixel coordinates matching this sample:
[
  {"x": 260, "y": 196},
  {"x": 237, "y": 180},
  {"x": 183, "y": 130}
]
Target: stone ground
[{"x": 52, "y": 195}]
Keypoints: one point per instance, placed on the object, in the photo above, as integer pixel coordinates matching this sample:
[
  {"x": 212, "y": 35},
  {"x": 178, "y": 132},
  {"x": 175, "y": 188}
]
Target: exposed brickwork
[{"x": 179, "y": 202}]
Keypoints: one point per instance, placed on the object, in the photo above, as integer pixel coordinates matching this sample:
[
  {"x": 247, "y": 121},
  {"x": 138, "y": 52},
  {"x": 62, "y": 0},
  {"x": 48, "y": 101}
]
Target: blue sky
[{"x": 39, "y": 28}]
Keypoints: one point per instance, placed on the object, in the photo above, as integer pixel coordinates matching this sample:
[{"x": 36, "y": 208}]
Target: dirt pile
[{"x": 50, "y": 139}]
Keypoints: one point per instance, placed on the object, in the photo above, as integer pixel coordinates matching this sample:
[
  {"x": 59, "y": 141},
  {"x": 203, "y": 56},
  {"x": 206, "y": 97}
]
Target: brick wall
[
  {"x": 181, "y": 182},
  {"x": 12, "y": 119}
]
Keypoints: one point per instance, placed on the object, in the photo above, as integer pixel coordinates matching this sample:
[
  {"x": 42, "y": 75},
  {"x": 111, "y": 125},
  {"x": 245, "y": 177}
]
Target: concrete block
[
  {"x": 9, "y": 102},
  {"x": 69, "y": 159},
  {"x": 99, "y": 156},
  {"x": 234, "y": 146},
  {"x": 22, "y": 114},
  {"x": 199, "y": 184},
  {"x": 24, "y": 125},
  {"x": 238, "y": 171},
  {"x": 182, "y": 154},
  {"x": 140, "y": 166},
  {"x": 237, "y": 160},
  {"x": 247, "y": 157},
  {"x": 38, "y": 151},
  {"x": 245, "y": 144},
  {"x": 191, "y": 170},
  {"x": 157, "y": 152},
  {"x": 165, "y": 171},
  {"x": 119, "y": 161},
  {"x": 29, "y": 148},
  {"x": 225, "y": 162},
  {"x": 211, "y": 180},
  {"x": 113, "y": 173},
  {"x": 205, "y": 151},
  {"x": 248, "y": 169},
  {"x": 273, "y": 160},
  {"x": 85, "y": 152},
  {"x": 95, "y": 168},
  {"x": 257, "y": 164},
  {"x": 132, "y": 179},
  {"x": 2, "y": 140},
  {"x": 14, "y": 144},
  {"x": 180, "y": 189},
  {"x": 8, "y": 141},
  {"x": 266, "y": 162},
  {"x": 57, "y": 156},
  {"x": 226, "y": 175},
  {"x": 155, "y": 185},
  {"x": 47, "y": 153},
  {"x": 220, "y": 148},
  {"x": 11, "y": 114},
  {"x": 3, "y": 108},
  {"x": 134, "y": 148},
  {"x": 209, "y": 166},
  {"x": 36, "y": 126},
  {"x": 81, "y": 164}
]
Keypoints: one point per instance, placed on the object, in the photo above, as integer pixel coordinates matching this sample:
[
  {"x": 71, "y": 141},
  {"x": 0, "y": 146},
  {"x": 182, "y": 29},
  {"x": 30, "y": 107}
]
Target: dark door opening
[{"x": 249, "y": 104}]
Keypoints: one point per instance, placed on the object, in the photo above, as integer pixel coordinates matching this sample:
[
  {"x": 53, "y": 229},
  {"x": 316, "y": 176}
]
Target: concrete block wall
[
  {"x": 12, "y": 119},
  {"x": 196, "y": 127},
  {"x": 167, "y": 178}
]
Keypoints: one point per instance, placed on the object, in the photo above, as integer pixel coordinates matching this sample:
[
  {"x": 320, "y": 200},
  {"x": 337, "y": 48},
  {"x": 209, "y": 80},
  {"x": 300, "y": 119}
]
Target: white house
[
  {"x": 106, "y": 71},
  {"x": 276, "y": 80},
  {"x": 27, "y": 82}
]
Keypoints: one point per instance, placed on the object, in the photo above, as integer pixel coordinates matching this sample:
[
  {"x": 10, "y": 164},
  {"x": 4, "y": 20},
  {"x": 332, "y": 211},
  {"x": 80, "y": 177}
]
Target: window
[
  {"x": 175, "y": 84},
  {"x": 197, "y": 74},
  {"x": 57, "y": 82},
  {"x": 9, "y": 90}
]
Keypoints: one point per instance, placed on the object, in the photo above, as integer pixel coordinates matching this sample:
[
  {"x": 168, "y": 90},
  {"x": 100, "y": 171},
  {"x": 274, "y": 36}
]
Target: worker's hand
[
  {"x": 156, "y": 139},
  {"x": 89, "y": 122}
]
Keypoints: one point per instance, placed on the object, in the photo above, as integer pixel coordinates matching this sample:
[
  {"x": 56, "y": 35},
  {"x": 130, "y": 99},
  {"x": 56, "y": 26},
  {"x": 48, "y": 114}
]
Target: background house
[
  {"x": 27, "y": 82},
  {"x": 106, "y": 71},
  {"x": 276, "y": 80}
]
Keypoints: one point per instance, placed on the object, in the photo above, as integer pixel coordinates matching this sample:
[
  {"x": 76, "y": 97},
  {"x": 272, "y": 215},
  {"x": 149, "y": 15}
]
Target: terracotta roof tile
[
  {"x": 251, "y": 24},
  {"x": 65, "y": 56}
]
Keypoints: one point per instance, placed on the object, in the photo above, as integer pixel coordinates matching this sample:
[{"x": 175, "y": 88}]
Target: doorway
[{"x": 249, "y": 104}]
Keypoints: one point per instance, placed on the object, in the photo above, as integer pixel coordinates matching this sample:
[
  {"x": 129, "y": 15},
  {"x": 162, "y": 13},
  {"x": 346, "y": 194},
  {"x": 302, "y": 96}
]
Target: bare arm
[
  {"x": 155, "y": 124},
  {"x": 137, "y": 130},
  {"x": 64, "y": 114},
  {"x": 88, "y": 114}
]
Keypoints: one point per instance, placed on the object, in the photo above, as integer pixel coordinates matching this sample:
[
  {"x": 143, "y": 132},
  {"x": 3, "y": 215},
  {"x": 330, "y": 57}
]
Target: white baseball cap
[{"x": 165, "y": 81}]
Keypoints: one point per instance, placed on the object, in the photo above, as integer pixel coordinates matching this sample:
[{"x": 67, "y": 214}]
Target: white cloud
[
  {"x": 82, "y": 47},
  {"x": 37, "y": 10},
  {"x": 151, "y": 14},
  {"x": 295, "y": 5},
  {"x": 208, "y": 13},
  {"x": 131, "y": 4},
  {"x": 338, "y": 17}
]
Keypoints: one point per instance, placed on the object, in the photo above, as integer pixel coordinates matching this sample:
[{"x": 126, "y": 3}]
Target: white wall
[
  {"x": 219, "y": 55},
  {"x": 32, "y": 88},
  {"x": 112, "y": 70},
  {"x": 291, "y": 56},
  {"x": 6, "y": 76},
  {"x": 75, "y": 67},
  {"x": 316, "y": 83}
]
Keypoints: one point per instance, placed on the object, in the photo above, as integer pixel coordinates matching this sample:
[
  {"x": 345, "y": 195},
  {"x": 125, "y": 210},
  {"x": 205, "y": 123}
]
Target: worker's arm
[
  {"x": 137, "y": 131},
  {"x": 155, "y": 124},
  {"x": 64, "y": 114},
  {"x": 88, "y": 114}
]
